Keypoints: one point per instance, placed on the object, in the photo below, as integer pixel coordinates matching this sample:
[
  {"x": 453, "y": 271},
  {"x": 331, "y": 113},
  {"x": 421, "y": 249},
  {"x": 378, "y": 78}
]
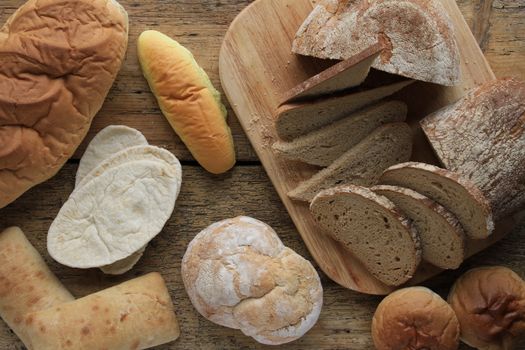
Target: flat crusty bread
[
  {"x": 343, "y": 75},
  {"x": 457, "y": 194},
  {"x": 372, "y": 228},
  {"x": 114, "y": 215},
  {"x": 106, "y": 143},
  {"x": 418, "y": 35},
  {"x": 363, "y": 164},
  {"x": 442, "y": 237},
  {"x": 322, "y": 147},
  {"x": 296, "y": 119}
]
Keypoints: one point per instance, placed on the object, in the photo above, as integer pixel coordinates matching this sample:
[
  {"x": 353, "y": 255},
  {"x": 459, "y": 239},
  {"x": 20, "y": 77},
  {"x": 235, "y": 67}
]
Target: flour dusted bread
[
  {"x": 239, "y": 274},
  {"x": 372, "y": 228},
  {"x": 415, "y": 318},
  {"x": 418, "y": 36},
  {"x": 59, "y": 60},
  {"x": 363, "y": 164},
  {"x": 482, "y": 137},
  {"x": 26, "y": 283},
  {"x": 457, "y": 194},
  {"x": 442, "y": 237},
  {"x": 137, "y": 314},
  {"x": 299, "y": 118},
  {"x": 323, "y": 146}
]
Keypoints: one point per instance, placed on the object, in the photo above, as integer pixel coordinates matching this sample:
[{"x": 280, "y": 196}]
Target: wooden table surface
[{"x": 499, "y": 27}]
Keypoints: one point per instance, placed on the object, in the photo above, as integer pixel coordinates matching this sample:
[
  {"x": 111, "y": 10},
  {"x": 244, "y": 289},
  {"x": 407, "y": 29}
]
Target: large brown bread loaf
[{"x": 59, "y": 60}]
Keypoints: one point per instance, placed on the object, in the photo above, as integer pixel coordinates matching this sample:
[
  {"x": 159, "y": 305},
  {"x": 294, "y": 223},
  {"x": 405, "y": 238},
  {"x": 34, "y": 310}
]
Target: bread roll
[
  {"x": 188, "y": 100},
  {"x": 137, "y": 314},
  {"x": 59, "y": 60},
  {"x": 26, "y": 283},
  {"x": 490, "y": 305},
  {"x": 415, "y": 318},
  {"x": 239, "y": 274}
]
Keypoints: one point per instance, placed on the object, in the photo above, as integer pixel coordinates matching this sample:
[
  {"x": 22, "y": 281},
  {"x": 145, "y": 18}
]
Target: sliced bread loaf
[
  {"x": 372, "y": 228},
  {"x": 295, "y": 119},
  {"x": 441, "y": 235},
  {"x": 322, "y": 147},
  {"x": 459, "y": 195},
  {"x": 363, "y": 164},
  {"x": 343, "y": 75}
]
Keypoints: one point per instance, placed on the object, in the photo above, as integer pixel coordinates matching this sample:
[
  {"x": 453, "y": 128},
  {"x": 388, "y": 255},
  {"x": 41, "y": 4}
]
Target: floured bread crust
[{"x": 239, "y": 274}]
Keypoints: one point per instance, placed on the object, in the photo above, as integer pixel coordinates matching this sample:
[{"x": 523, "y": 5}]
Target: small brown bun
[
  {"x": 490, "y": 305},
  {"x": 415, "y": 318}
]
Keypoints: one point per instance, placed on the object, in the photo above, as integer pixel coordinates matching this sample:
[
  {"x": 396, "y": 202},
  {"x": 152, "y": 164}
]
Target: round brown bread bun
[
  {"x": 490, "y": 305},
  {"x": 415, "y": 318},
  {"x": 59, "y": 60}
]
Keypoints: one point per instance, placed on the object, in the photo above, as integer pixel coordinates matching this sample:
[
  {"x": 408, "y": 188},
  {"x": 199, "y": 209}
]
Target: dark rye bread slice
[
  {"x": 363, "y": 164},
  {"x": 442, "y": 237},
  {"x": 457, "y": 194},
  {"x": 322, "y": 147},
  {"x": 344, "y": 75},
  {"x": 295, "y": 119},
  {"x": 372, "y": 228}
]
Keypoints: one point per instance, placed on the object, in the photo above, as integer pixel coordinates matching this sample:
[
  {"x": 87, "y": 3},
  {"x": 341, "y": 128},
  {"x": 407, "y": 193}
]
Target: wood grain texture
[{"x": 200, "y": 25}]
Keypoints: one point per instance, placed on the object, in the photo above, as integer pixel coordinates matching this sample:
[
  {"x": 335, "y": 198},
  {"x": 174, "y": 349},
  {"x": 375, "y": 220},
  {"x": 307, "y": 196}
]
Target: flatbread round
[
  {"x": 122, "y": 266},
  {"x": 106, "y": 143},
  {"x": 114, "y": 215}
]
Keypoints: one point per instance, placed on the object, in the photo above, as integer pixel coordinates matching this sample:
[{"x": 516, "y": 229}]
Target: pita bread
[
  {"x": 114, "y": 215},
  {"x": 122, "y": 266},
  {"x": 106, "y": 143}
]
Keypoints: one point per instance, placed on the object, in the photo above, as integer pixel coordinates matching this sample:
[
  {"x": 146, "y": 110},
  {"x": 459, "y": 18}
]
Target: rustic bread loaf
[
  {"x": 451, "y": 190},
  {"x": 59, "y": 60},
  {"x": 343, "y": 75},
  {"x": 442, "y": 237},
  {"x": 372, "y": 229},
  {"x": 238, "y": 274},
  {"x": 188, "y": 100},
  {"x": 137, "y": 314},
  {"x": 26, "y": 283},
  {"x": 482, "y": 137},
  {"x": 295, "y": 119},
  {"x": 490, "y": 305},
  {"x": 322, "y": 147},
  {"x": 415, "y": 318},
  {"x": 363, "y": 164},
  {"x": 418, "y": 36}
]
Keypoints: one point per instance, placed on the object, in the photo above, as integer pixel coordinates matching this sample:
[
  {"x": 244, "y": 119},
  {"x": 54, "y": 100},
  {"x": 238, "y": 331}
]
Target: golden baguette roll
[
  {"x": 26, "y": 283},
  {"x": 137, "y": 314},
  {"x": 188, "y": 100}
]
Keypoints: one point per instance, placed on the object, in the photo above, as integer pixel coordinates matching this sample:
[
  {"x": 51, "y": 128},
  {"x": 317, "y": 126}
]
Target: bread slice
[
  {"x": 363, "y": 164},
  {"x": 343, "y": 75},
  {"x": 459, "y": 195},
  {"x": 295, "y": 119},
  {"x": 372, "y": 228},
  {"x": 418, "y": 34},
  {"x": 322, "y": 147},
  {"x": 442, "y": 237}
]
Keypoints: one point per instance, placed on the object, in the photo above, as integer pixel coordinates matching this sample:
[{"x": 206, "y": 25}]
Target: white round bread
[{"x": 238, "y": 274}]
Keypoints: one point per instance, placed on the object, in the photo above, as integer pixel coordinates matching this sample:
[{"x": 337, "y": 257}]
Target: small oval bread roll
[
  {"x": 490, "y": 305},
  {"x": 415, "y": 318},
  {"x": 188, "y": 100},
  {"x": 238, "y": 274}
]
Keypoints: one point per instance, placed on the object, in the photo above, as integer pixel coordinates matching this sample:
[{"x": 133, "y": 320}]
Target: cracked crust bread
[
  {"x": 104, "y": 145},
  {"x": 137, "y": 314},
  {"x": 114, "y": 215},
  {"x": 457, "y": 194},
  {"x": 26, "y": 283},
  {"x": 323, "y": 146},
  {"x": 372, "y": 228},
  {"x": 415, "y": 318},
  {"x": 59, "y": 60},
  {"x": 238, "y": 274},
  {"x": 418, "y": 36}
]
